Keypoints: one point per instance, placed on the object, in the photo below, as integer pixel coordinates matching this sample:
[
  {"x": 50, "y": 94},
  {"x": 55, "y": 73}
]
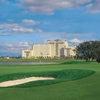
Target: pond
[{"x": 26, "y": 63}]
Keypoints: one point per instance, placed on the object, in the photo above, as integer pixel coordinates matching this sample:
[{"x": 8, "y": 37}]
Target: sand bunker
[{"x": 21, "y": 81}]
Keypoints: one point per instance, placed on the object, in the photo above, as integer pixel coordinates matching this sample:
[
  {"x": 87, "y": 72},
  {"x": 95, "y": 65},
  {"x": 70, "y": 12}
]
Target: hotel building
[{"x": 56, "y": 48}]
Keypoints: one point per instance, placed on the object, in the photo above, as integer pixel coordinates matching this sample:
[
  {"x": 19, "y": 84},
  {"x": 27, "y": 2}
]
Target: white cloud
[
  {"x": 15, "y": 47},
  {"x": 29, "y": 22},
  {"x": 19, "y": 29},
  {"x": 49, "y": 6},
  {"x": 76, "y": 41},
  {"x": 60, "y": 35},
  {"x": 94, "y": 7},
  {"x": 22, "y": 29},
  {"x": 72, "y": 38},
  {"x": 63, "y": 34},
  {"x": 16, "y": 28}
]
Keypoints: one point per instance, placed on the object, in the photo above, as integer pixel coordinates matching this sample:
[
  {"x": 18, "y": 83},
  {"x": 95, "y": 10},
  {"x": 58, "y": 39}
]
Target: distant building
[
  {"x": 56, "y": 48},
  {"x": 6, "y": 57}
]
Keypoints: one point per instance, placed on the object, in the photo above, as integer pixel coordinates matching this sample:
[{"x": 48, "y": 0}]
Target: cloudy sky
[{"x": 24, "y": 22}]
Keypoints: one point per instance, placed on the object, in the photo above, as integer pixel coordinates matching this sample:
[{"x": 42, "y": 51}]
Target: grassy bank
[
  {"x": 87, "y": 88},
  {"x": 60, "y": 76}
]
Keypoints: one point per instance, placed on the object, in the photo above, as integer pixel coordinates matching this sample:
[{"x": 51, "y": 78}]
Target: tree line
[{"x": 89, "y": 50}]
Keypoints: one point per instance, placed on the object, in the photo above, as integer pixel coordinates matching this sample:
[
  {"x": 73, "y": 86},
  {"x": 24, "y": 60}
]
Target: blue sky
[{"x": 24, "y": 22}]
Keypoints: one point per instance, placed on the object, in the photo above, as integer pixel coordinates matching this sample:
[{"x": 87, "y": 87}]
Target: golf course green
[{"x": 84, "y": 84}]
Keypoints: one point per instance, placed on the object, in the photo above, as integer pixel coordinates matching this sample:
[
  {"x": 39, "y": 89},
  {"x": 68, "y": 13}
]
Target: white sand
[{"x": 21, "y": 81}]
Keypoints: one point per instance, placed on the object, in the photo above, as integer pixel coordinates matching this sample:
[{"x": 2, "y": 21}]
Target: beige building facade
[{"x": 56, "y": 48}]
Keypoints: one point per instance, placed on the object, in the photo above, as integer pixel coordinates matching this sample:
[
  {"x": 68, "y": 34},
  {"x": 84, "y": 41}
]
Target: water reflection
[{"x": 26, "y": 63}]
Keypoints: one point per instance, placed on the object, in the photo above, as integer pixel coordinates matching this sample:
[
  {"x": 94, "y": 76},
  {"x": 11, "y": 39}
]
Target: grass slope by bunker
[{"x": 60, "y": 76}]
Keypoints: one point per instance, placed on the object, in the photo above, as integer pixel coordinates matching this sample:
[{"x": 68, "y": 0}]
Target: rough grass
[{"x": 60, "y": 76}]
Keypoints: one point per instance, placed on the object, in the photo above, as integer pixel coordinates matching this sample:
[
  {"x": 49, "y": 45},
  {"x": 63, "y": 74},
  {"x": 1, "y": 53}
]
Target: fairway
[{"x": 87, "y": 88}]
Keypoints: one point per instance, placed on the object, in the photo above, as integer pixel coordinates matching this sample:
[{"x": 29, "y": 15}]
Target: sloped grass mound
[
  {"x": 60, "y": 76},
  {"x": 75, "y": 62}
]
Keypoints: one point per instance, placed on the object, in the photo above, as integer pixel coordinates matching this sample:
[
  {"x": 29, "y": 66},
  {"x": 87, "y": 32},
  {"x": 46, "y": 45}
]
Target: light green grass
[{"x": 87, "y": 88}]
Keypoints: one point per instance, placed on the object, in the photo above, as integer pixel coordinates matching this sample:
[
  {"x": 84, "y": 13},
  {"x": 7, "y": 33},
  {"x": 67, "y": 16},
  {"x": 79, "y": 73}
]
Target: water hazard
[{"x": 26, "y": 63}]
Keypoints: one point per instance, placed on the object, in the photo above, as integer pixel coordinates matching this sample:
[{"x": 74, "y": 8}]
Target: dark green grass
[{"x": 60, "y": 76}]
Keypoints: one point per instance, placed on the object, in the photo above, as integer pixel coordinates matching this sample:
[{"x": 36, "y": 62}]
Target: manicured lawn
[{"x": 87, "y": 88}]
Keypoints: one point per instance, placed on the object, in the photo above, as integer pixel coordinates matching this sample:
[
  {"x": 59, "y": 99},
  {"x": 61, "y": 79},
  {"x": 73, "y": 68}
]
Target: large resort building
[{"x": 56, "y": 48}]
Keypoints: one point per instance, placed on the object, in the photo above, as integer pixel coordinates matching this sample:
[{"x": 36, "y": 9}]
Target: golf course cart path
[{"x": 21, "y": 81}]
